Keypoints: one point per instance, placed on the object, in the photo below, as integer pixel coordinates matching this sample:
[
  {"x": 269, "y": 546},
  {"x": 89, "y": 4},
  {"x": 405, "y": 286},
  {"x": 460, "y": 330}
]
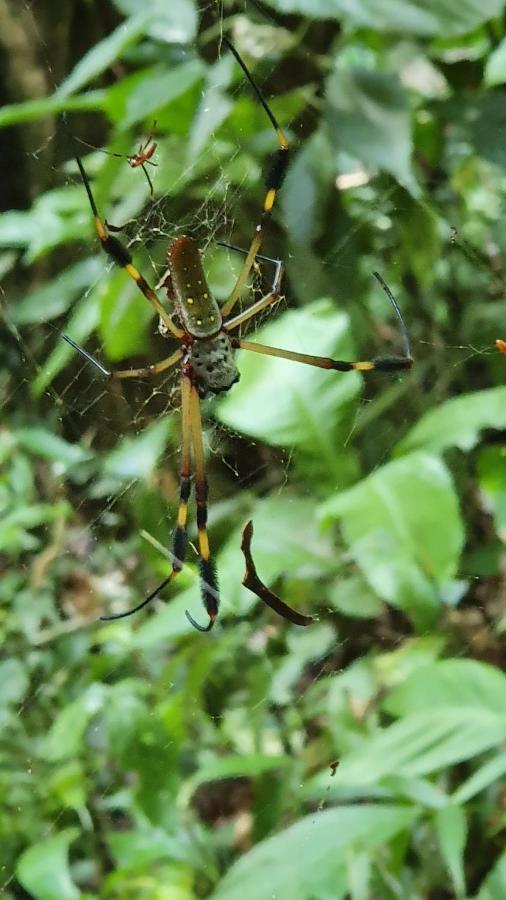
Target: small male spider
[{"x": 205, "y": 353}]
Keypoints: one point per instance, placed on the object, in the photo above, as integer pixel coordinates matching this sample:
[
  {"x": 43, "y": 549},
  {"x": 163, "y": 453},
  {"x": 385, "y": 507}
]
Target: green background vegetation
[{"x": 139, "y": 758}]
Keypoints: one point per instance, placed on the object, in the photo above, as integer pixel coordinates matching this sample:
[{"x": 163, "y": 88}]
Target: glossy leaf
[
  {"x": 432, "y": 18},
  {"x": 403, "y": 529},
  {"x": 310, "y": 857},
  {"x": 43, "y": 869},
  {"x": 458, "y": 422},
  {"x": 309, "y": 402}
]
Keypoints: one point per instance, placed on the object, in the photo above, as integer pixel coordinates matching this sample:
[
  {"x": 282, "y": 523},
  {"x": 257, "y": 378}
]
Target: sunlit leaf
[
  {"x": 136, "y": 457},
  {"x": 309, "y": 402},
  {"x": 403, "y": 528},
  {"x": 104, "y": 53},
  {"x": 458, "y": 422},
  {"x": 310, "y": 857},
  {"x": 430, "y": 18},
  {"x": 450, "y": 682},
  {"x": 43, "y": 869}
]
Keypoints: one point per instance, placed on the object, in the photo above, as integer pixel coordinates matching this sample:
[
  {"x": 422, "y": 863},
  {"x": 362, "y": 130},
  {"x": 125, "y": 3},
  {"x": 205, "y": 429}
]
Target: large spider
[{"x": 204, "y": 332}]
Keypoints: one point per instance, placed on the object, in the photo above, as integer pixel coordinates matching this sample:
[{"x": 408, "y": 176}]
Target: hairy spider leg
[
  {"x": 379, "y": 363},
  {"x": 144, "y": 372},
  {"x": 274, "y": 181},
  {"x": 208, "y": 576},
  {"x": 121, "y": 256}
]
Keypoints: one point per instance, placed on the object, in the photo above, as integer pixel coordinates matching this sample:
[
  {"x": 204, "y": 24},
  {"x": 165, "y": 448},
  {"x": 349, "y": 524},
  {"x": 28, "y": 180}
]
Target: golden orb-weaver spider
[{"x": 206, "y": 353}]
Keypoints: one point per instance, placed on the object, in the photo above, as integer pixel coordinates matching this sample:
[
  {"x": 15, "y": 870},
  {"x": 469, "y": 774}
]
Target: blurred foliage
[{"x": 360, "y": 758}]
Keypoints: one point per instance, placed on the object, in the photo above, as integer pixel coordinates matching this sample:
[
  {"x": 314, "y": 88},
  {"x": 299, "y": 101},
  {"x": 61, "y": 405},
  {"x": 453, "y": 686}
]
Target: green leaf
[
  {"x": 495, "y": 69},
  {"x": 494, "y": 885},
  {"x": 46, "y": 445},
  {"x": 404, "y": 530},
  {"x": 83, "y": 321},
  {"x": 65, "y": 737},
  {"x": 431, "y": 18},
  {"x": 52, "y": 300},
  {"x": 458, "y": 422},
  {"x": 13, "y": 681},
  {"x": 124, "y": 318},
  {"x": 451, "y": 830},
  {"x": 309, "y": 403},
  {"x": 151, "y": 93},
  {"x": 368, "y": 116},
  {"x": 103, "y": 54},
  {"x": 43, "y": 869},
  {"x": 422, "y": 743},
  {"x": 309, "y": 858},
  {"x": 491, "y": 771},
  {"x": 450, "y": 682},
  {"x": 235, "y": 766},
  {"x": 173, "y": 23},
  {"x": 137, "y": 457},
  {"x": 45, "y": 107}
]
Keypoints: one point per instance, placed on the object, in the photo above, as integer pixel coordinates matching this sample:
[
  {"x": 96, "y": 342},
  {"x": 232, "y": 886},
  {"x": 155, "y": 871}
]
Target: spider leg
[
  {"x": 380, "y": 363},
  {"x": 121, "y": 256},
  {"x": 208, "y": 577},
  {"x": 274, "y": 181},
  {"x": 148, "y": 179},
  {"x": 272, "y": 297},
  {"x": 180, "y": 539},
  {"x": 154, "y": 369}
]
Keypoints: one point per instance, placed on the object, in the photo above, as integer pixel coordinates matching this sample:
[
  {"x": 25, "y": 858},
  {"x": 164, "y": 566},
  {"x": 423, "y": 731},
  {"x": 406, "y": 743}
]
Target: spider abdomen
[
  {"x": 194, "y": 302},
  {"x": 213, "y": 363}
]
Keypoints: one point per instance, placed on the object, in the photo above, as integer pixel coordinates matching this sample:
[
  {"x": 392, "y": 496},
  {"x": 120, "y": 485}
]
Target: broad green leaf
[
  {"x": 495, "y": 69},
  {"x": 450, "y": 682},
  {"x": 309, "y": 403},
  {"x": 83, "y": 321},
  {"x": 458, "y": 422},
  {"x": 124, "y": 318},
  {"x": 403, "y": 528},
  {"x": 431, "y": 18},
  {"x": 13, "y": 681},
  {"x": 106, "y": 52},
  {"x": 66, "y": 735},
  {"x": 137, "y": 457},
  {"x": 55, "y": 297},
  {"x": 45, "y": 444},
  {"x": 173, "y": 23},
  {"x": 368, "y": 117},
  {"x": 152, "y": 92},
  {"x": 309, "y": 858},
  {"x": 451, "y": 830},
  {"x": 422, "y": 743},
  {"x": 43, "y": 869},
  {"x": 43, "y": 107}
]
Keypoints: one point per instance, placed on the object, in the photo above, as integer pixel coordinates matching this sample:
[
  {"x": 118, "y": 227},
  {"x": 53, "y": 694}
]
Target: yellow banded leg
[
  {"x": 144, "y": 372},
  {"x": 180, "y": 539},
  {"x": 208, "y": 577},
  {"x": 381, "y": 363}
]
